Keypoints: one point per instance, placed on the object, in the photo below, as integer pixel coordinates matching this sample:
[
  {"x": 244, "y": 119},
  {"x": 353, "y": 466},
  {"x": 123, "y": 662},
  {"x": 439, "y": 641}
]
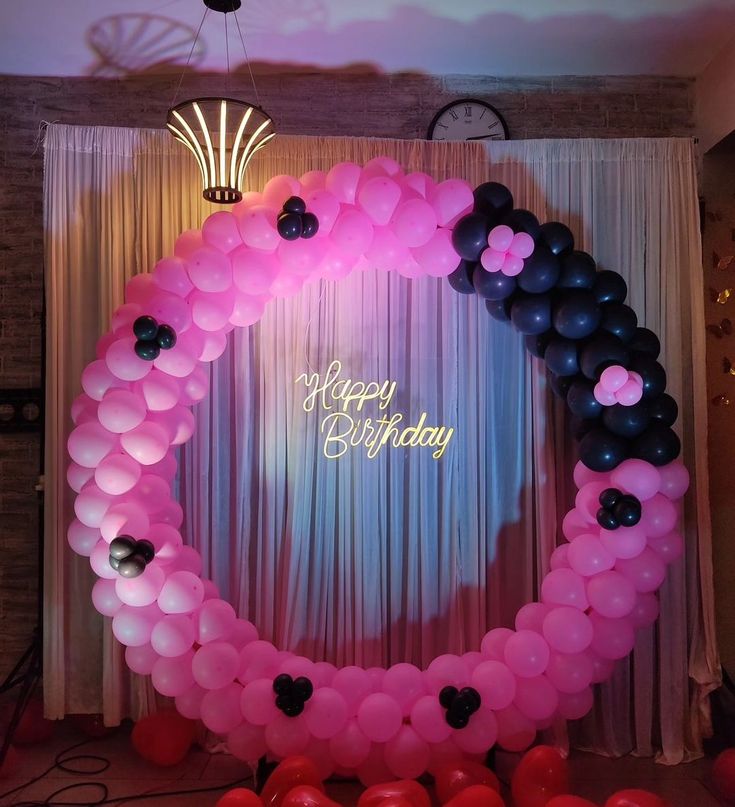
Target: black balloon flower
[
  {"x": 295, "y": 222},
  {"x": 292, "y": 694},
  {"x": 129, "y": 557},
  {"x": 152, "y": 337},
  {"x": 618, "y": 509},
  {"x": 460, "y": 705}
]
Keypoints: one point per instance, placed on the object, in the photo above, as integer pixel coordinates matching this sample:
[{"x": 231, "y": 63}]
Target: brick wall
[{"x": 326, "y": 103}]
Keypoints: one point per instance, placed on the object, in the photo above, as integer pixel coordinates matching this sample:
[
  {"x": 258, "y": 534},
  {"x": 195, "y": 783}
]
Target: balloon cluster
[
  {"x": 292, "y": 694},
  {"x": 152, "y": 338},
  {"x": 294, "y": 222},
  {"x": 129, "y": 557},
  {"x": 134, "y": 413},
  {"x": 618, "y": 509},
  {"x": 460, "y": 705},
  {"x": 506, "y": 250},
  {"x": 618, "y": 385}
]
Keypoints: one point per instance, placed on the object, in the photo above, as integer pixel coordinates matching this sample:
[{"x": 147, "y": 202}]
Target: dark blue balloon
[
  {"x": 626, "y": 421},
  {"x": 493, "y": 285},
  {"x": 540, "y": 271},
  {"x": 645, "y": 341},
  {"x": 536, "y": 344},
  {"x": 652, "y": 373},
  {"x": 294, "y": 204},
  {"x": 581, "y": 400},
  {"x": 619, "y": 320},
  {"x": 461, "y": 278},
  {"x": 601, "y": 352},
  {"x": 560, "y": 385},
  {"x": 664, "y": 409},
  {"x": 576, "y": 314},
  {"x": 610, "y": 287},
  {"x": 601, "y": 450},
  {"x": 498, "y": 309},
  {"x": 658, "y": 445},
  {"x": 557, "y": 237},
  {"x": 493, "y": 200},
  {"x": 469, "y": 236},
  {"x": 531, "y": 313},
  {"x": 145, "y": 328},
  {"x": 523, "y": 221},
  {"x": 578, "y": 271},
  {"x": 290, "y": 226},
  {"x": 561, "y": 356}
]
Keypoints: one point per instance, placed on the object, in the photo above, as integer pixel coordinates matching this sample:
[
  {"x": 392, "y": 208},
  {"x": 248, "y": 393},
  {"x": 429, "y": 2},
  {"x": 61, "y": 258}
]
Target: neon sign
[{"x": 342, "y": 398}]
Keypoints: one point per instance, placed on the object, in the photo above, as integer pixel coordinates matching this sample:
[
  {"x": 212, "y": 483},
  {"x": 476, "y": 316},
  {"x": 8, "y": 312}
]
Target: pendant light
[{"x": 222, "y": 133}]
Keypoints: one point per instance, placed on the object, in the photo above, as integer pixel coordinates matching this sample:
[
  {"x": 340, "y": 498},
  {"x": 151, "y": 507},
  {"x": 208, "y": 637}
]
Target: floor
[{"x": 593, "y": 777}]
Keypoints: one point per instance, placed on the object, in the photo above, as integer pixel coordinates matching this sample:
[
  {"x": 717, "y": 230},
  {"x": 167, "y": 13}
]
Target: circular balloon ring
[{"x": 135, "y": 409}]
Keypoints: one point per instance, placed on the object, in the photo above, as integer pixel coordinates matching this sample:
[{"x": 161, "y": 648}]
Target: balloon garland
[{"x": 149, "y": 371}]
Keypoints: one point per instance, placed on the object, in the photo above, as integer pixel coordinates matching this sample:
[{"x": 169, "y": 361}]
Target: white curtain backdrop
[{"x": 401, "y": 557}]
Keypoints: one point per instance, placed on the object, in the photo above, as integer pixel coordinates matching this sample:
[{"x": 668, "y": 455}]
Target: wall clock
[{"x": 468, "y": 119}]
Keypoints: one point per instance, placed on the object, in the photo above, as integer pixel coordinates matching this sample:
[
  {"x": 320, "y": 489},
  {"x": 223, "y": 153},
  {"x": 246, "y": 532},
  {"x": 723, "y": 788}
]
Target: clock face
[{"x": 468, "y": 119}]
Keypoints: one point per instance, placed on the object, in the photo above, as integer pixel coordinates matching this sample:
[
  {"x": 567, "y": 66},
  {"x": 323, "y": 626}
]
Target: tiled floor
[{"x": 593, "y": 777}]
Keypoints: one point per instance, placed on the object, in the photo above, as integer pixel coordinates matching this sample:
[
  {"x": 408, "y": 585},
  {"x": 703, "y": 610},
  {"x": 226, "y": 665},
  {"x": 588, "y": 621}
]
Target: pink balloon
[
  {"x": 420, "y": 183},
  {"x": 342, "y": 181},
  {"x": 220, "y": 709},
  {"x": 258, "y": 228},
  {"x": 536, "y": 698},
  {"x": 104, "y": 597},
  {"x": 172, "y": 676},
  {"x": 287, "y": 736},
  {"x": 187, "y": 243},
  {"x": 352, "y": 233},
  {"x": 567, "y": 630},
  {"x": 325, "y": 206},
  {"x": 103, "y": 343},
  {"x": 669, "y": 547},
  {"x": 515, "y": 731},
  {"x": 379, "y": 717},
  {"x": 141, "y": 659},
  {"x": 173, "y": 635},
  {"x": 170, "y": 275},
  {"x": 83, "y": 409},
  {"x": 522, "y": 246},
  {"x": 139, "y": 288},
  {"x": 210, "y": 311},
  {"x": 141, "y": 590},
  {"x": 124, "y": 316},
  {"x": 531, "y": 616},
  {"x": 602, "y": 668},
  {"x": 659, "y": 516},
  {"x": 625, "y": 542},
  {"x": 646, "y": 572},
  {"x": 611, "y": 594},
  {"x": 629, "y": 394},
  {"x": 99, "y": 560},
  {"x": 301, "y": 257},
  {"x": 603, "y": 396},
  {"x": 564, "y": 587},
  {"x": 195, "y": 387},
  {"x": 181, "y": 359},
  {"x": 170, "y": 309},
  {"x": 253, "y": 270},
  {"x": 386, "y": 251},
  {"x": 575, "y": 705},
  {"x": 574, "y": 524},
  {"x": 97, "y": 379},
  {"x": 243, "y": 632},
  {"x": 446, "y": 670},
  {"x": 495, "y": 683},
  {"x": 132, "y": 625},
  {"x": 82, "y": 539},
  {"x": 326, "y": 713},
  {"x": 587, "y": 501},
  {"x": 526, "y": 653},
  {"x": 258, "y": 702},
  {"x": 221, "y": 232},
  {"x": 588, "y": 556},
  {"x": 159, "y": 391},
  {"x": 166, "y": 540},
  {"x": 124, "y": 517},
  {"x": 147, "y": 443},
  {"x": 494, "y": 641},
  {"x": 353, "y": 683},
  {"x": 215, "y": 665},
  {"x": 569, "y": 673},
  {"x": 378, "y": 197},
  {"x": 492, "y": 260},
  {"x": 512, "y": 265},
  {"x": 437, "y": 257},
  {"x": 121, "y": 410},
  {"x": 405, "y": 684},
  {"x": 312, "y": 180},
  {"x": 674, "y": 480},
  {"x": 349, "y": 747},
  {"x": 406, "y": 754},
  {"x": 613, "y": 378},
  {"x": 429, "y": 719},
  {"x": 613, "y": 638},
  {"x": 91, "y": 505},
  {"x": 637, "y": 477},
  {"x": 181, "y": 593},
  {"x": 209, "y": 269},
  {"x": 122, "y": 361},
  {"x": 216, "y": 621},
  {"x": 89, "y": 443},
  {"x": 247, "y": 742},
  {"x": 279, "y": 188},
  {"x": 414, "y": 222},
  {"x": 559, "y": 558},
  {"x": 214, "y": 343},
  {"x": 500, "y": 238},
  {"x": 258, "y": 659},
  {"x": 451, "y": 200},
  {"x": 189, "y": 703},
  {"x": 178, "y": 423},
  {"x": 583, "y": 475}
]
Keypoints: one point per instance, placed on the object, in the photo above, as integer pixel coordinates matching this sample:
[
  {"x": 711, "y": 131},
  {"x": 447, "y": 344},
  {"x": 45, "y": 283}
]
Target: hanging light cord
[
  {"x": 191, "y": 53},
  {"x": 227, "y": 56},
  {"x": 247, "y": 60}
]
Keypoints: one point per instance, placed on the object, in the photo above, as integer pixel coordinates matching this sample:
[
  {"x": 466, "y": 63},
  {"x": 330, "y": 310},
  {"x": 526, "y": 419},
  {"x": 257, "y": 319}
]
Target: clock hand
[{"x": 480, "y": 137}]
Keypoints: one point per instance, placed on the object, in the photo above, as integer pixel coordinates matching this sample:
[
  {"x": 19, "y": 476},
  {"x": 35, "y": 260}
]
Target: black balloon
[
  {"x": 540, "y": 271},
  {"x": 663, "y": 408},
  {"x": 293, "y": 709},
  {"x": 627, "y": 421},
  {"x": 536, "y": 344},
  {"x": 561, "y": 356},
  {"x": 472, "y": 696},
  {"x": 447, "y": 696},
  {"x": 658, "y": 445},
  {"x": 499, "y": 309},
  {"x": 531, "y": 313},
  {"x": 603, "y": 351},
  {"x": 523, "y": 221},
  {"x": 132, "y": 566},
  {"x": 289, "y": 226},
  {"x": 609, "y": 498},
  {"x": 457, "y": 721},
  {"x": 294, "y": 204},
  {"x": 309, "y": 225},
  {"x": 606, "y": 519},
  {"x": 114, "y": 562},
  {"x": 576, "y": 314},
  {"x": 148, "y": 351},
  {"x": 652, "y": 373},
  {"x": 145, "y": 328},
  {"x": 122, "y": 546},
  {"x": 580, "y": 427},
  {"x": 578, "y": 271},
  {"x": 557, "y": 237},
  {"x": 645, "y": 341},
  {"x": 303, "y": 687},
  {"x": 610, "y": 287},
  {"x": 165, "y": 337},
  {"x": 560, "y": 385},
  {"x": 581, "y": 400},
  {"x": 282, "y": 684},
  {"x": 493, "y": 200},
  {"x": 146, "y": 549},
  {"x": 493, "y": 285},
  {"x": 461, "y": 278},
  {"x": 620, "y": 320},
  {"x": 601, "y": 450},
  {"x": 627, "y": 511},
  {"x": 469, "y": 237}
]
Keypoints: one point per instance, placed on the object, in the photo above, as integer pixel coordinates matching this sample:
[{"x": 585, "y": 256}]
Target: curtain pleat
[{"x": 401, "y": 557}]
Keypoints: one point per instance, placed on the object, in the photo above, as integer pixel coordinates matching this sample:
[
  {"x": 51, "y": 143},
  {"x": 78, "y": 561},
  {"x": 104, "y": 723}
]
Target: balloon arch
[{"x": 135, "y": 409}]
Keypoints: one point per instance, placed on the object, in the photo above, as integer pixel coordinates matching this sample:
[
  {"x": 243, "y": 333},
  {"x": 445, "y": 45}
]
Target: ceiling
[{"x": 489, "y": 37}]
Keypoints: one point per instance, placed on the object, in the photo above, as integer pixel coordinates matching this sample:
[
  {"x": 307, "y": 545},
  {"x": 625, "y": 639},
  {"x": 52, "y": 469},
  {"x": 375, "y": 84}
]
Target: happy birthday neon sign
[{"x": 341, "y": 398}]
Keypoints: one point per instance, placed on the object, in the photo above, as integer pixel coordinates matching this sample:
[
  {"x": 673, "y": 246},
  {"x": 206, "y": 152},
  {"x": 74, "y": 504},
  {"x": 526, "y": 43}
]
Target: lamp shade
[{"x": 223, "y": 134}]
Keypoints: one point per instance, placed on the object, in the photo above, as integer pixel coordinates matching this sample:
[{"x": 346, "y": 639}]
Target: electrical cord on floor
[{"x": 66, "y": 763}]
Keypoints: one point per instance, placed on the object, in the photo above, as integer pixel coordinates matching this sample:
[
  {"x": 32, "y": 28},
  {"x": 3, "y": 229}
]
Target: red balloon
[
  {"x": 395, "y": 801},
  {"x": 10, "y": 764},
  {"x": 570, "y": 801},
  {"x": 290, "y": 773},
  {"x": 92, "y": 725},
  {"x": 723, "y": 774},
  {"x": 453, "y": 777},
  {"x": 406, "y": 789},
  {"x": 540, "y": 775},
  {"x": 635, "y": 798},
  {"x": 33, "y": 727},
  {"x": 240, "y": 797},
  {"x": 163, "y": 738},
  {"x": 476, "y": 796},
  {"x": 307, "y": 796}
]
